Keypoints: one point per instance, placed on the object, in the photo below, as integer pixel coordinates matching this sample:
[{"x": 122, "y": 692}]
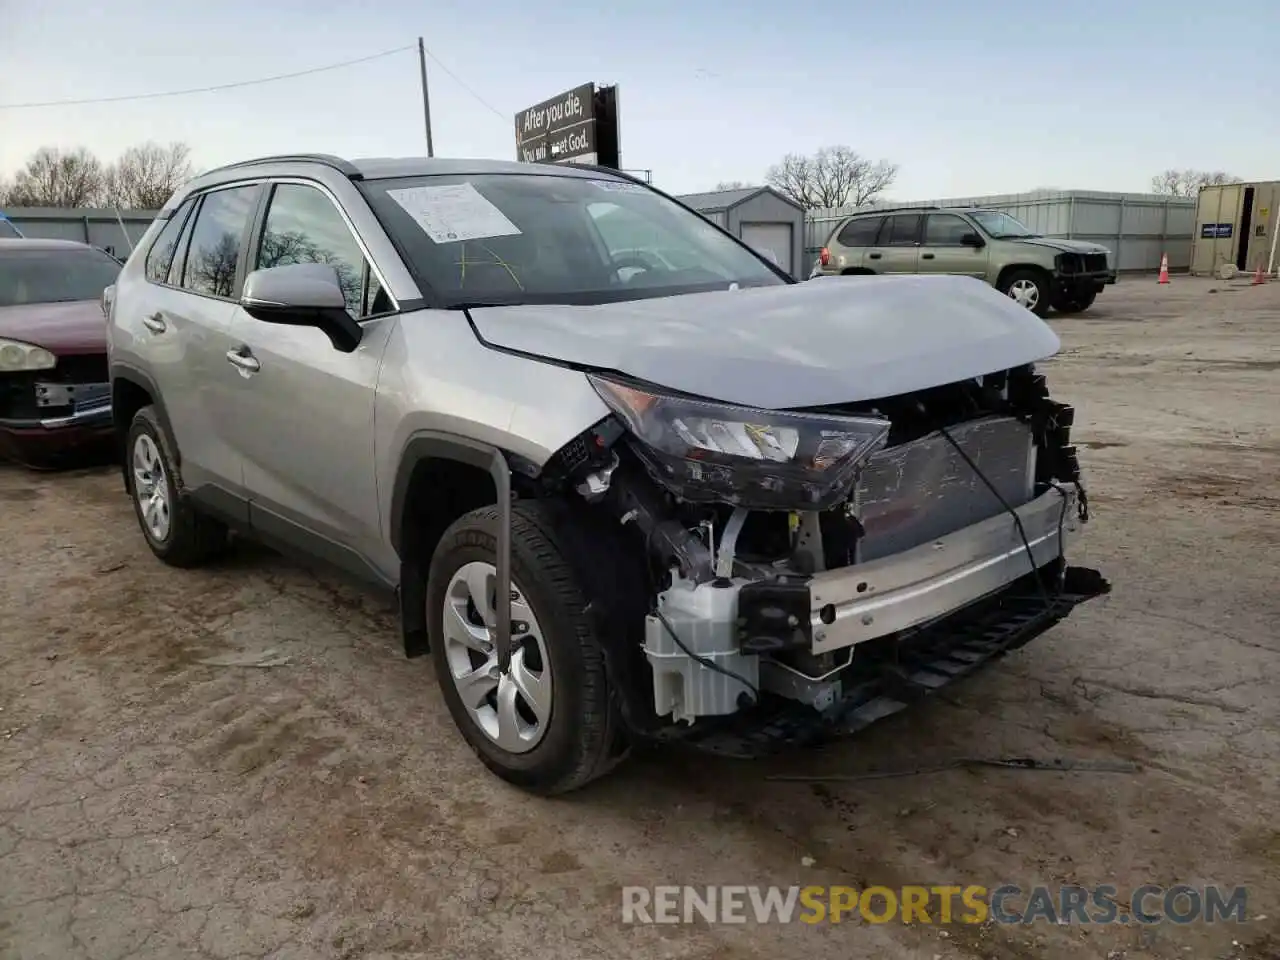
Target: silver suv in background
[{"x": 627, "y": 479}]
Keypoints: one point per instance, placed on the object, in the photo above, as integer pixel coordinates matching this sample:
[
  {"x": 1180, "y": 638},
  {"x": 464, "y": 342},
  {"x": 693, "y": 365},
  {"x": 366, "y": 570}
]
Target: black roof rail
[
  {"x": 344, "y": 167},
  {"x": 871, "y": 211}
]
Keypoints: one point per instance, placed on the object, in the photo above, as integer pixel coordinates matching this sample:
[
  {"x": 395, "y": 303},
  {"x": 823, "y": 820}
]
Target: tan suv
[{"x": 1038, "y": 272}]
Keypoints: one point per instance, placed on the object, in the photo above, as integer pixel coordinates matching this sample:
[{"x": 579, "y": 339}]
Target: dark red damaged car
[{"x": 55, "y": 399}]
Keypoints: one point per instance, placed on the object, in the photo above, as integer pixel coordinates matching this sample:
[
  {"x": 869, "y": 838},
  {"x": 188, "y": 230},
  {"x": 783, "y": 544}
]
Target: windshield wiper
[{"x": 477, "y": 304}]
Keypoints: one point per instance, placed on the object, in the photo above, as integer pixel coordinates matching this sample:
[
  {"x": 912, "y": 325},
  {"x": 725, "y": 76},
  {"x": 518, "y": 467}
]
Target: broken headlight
[{"x": 703, "y": 450}]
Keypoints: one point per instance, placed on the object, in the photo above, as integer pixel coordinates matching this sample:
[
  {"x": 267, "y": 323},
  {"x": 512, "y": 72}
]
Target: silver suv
[{"x": 627, "y": 479}]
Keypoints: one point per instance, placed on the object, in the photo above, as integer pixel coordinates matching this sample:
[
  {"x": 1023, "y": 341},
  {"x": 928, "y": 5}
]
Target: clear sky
[{"x": 985, "y": 96}]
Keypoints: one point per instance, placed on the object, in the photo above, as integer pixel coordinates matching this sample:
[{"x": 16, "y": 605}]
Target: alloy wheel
[
  {"x": 512, "y": 709},
  {"x": 1025, "y": 292},
  {"x": 151, "y": 487}
]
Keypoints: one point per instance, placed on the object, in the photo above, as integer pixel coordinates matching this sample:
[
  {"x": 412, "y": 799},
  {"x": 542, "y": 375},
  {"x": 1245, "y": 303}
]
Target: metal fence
[
  {"x": 114, "y": 230},
  {"x": 1136, "y": 227}
]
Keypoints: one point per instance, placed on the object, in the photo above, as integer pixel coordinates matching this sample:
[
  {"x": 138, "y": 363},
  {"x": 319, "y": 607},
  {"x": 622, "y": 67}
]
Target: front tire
[
  {"x": 1027, "y": 287},
  {"x": 549, "y": 725},
  {"x": 1076, "y": 303},
  {"x": 174, "y": 531}
]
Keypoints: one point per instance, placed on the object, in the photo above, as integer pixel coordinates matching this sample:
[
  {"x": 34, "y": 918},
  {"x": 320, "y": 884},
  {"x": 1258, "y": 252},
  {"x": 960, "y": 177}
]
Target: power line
[
  {"x": 223, "y": 86},
  {"x": 460, "y": 82}
]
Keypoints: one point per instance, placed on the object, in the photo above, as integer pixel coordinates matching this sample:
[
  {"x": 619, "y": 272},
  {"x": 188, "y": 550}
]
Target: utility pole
[{"x": 426, "y": 99}]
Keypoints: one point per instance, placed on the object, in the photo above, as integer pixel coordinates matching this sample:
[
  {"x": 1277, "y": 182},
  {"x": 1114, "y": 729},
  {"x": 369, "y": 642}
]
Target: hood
[
  {"x": 844, "y": 340},
  {"x": 1055, "y": 243},
  {"x": 61, "y": 328}
]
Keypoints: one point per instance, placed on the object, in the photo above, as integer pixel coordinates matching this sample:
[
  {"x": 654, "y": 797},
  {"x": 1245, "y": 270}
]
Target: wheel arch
[
  {"x": 439, "y": 478},
  {"x": 131, "y": 390},
  {"x": 1011, "y": 268}
]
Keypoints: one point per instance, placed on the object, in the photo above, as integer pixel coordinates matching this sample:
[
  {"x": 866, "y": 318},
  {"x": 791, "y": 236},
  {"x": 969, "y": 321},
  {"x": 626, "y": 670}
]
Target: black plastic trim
[
  {"x": 431, "y": 445},
  {"x": 120, "y": 370},
  {"x": 221, "y": 504},
  {"x": 269, "y": 525}
]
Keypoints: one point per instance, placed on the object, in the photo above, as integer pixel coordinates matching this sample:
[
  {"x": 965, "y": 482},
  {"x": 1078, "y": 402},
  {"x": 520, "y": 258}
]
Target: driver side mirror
[
  {"x": 302, "y": 295},
  {"x": 972, "y": 240}
]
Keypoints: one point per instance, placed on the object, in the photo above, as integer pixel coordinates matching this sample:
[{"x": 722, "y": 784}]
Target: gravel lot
[{"x": 156, "y": 806}]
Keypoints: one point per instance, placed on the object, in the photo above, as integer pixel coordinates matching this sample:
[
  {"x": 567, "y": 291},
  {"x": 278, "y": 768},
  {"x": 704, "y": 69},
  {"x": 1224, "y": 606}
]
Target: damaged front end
[{"x": 809, "y": 572}]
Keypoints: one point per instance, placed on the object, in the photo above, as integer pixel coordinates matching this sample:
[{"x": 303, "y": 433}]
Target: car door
[
  {"x": 194, "y": 272},
  {"x": 943, "y": 249},
  {"x": 854, "y": 241},
  {"x": 897, "y": 249},
  {"x": 305, "y": 409}
]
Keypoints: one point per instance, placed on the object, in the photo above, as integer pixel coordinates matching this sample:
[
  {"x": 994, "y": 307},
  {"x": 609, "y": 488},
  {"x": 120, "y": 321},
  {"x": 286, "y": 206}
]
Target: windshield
[
  {"x": 54, "y": 276},
  {"x": 533, "y": 238},
  {"x": 1001, "y": 225}
]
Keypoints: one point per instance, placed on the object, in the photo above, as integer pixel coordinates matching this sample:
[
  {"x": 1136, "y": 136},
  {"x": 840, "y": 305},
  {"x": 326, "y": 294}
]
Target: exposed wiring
[
  {"x": 709, "y": 664},
  {"x": 210, "y": 89},
  {"x": 1017, "y": 520}
]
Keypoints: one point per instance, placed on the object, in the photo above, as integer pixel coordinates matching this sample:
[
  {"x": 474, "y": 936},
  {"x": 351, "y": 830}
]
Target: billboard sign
[{"x": 578, "y": 126}]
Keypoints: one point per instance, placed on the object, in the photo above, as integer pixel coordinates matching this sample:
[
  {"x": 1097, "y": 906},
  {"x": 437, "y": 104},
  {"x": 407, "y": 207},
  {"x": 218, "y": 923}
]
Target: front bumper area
[
  {"x": 894, "y": 673},
  {"x": 83, "y": 425},
  {"x": 860, "y": 603}
]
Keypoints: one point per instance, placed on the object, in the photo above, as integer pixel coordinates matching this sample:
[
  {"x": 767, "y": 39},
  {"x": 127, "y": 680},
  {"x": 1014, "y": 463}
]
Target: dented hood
[{"x": 835, "y": 340}]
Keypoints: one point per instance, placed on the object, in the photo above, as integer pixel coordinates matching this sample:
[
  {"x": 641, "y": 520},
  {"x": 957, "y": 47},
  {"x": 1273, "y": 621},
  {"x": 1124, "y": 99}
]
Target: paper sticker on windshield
[
  {"x": 619, "y": 186},
  {"x": 452, "y": 213}
]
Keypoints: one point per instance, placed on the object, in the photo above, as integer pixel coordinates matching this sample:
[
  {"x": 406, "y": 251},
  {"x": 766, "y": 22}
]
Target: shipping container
[{"x": 1236, "y": 227}]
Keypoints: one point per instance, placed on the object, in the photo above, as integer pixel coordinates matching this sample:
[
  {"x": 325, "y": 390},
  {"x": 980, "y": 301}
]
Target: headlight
[
  {"x": 762, "y": 459},
  {"x": 16, "y": 356}
]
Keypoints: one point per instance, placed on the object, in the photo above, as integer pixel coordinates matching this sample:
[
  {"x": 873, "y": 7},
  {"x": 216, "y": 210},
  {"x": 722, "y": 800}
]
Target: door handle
[
  {"x": 244, "y": 361},
  {"x": 873, "y": 256},
  {"x": 155, "y": 323},
  {"x": 926, "y": 256}
]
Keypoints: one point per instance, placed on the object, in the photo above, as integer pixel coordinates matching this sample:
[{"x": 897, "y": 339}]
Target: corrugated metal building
[
  {"x": 114, "y": 231},
  {"x": 762, "y": 217},
  {"x": 1136, "y": 227},
  {"x": 1236, "y": 224}
]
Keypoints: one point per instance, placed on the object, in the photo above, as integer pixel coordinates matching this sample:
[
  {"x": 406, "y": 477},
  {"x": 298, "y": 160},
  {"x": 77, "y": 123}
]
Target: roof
[
  {"x": 381, "y": 168},
  {"x": 717, "y": 200},
  {"x": 30, "y": 243},
  {"x": 378, "y": 168}
]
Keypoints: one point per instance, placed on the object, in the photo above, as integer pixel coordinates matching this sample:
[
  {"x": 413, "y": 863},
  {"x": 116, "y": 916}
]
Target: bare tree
[
  {"x": 1187, "y": 183},
  {"x": 53, "y": 178},
  {"x": 832, "y": 177},
  {"x": 145, "y": 176}
]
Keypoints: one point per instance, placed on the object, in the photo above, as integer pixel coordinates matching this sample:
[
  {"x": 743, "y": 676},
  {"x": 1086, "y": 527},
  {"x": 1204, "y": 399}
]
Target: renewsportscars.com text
[{"x": 1005, "y": 904}]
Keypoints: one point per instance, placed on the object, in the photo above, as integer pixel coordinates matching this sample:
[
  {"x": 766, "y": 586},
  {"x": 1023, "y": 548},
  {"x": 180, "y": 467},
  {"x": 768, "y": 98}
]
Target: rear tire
[
  {"x": 1028, "y": 287},
  {"x": 174, "y": 530},
  {"x": 566, "y": 732}
]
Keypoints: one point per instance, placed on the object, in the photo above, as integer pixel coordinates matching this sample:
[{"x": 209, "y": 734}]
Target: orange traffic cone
[
  {"x": 1164, "y": 268},
  {"x": 1257, "y": 277}
]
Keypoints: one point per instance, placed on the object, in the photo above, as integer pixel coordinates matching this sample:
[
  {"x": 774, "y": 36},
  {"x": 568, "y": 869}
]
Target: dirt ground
[{"x": 320, "y": 804}]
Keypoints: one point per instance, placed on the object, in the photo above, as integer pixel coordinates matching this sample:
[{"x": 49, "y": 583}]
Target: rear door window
[
  {"x": 902, "y": 230},
  {"x": 860, "y": 233},
  {"x": 213, "y": 258}
]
